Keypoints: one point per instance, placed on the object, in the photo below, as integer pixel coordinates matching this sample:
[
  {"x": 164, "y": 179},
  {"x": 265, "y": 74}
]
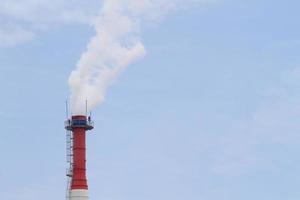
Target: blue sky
[{"x": 210, "y": 113}]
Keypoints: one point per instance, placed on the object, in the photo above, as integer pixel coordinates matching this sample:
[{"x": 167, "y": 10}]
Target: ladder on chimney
[{"x": 69, "y": 171}]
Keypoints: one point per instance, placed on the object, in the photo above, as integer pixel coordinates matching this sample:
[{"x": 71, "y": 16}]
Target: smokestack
[{"x": 76, "y": 128}]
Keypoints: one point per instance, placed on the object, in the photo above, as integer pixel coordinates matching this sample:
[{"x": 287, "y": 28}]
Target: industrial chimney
[{"x": 76, "y": 127}]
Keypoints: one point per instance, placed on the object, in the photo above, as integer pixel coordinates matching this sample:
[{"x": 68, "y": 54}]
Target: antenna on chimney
[{"x": 67, "y": 109}]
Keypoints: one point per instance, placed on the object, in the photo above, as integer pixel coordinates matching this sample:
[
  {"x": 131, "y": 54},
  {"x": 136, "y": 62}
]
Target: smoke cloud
[{"x": 115, "y": 45}]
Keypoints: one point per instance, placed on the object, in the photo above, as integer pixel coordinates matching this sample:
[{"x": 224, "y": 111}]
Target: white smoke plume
[{"x": 115, "y": 46}]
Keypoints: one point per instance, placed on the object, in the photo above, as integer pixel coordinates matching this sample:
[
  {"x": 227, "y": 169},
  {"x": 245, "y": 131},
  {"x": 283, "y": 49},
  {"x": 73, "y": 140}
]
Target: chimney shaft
[
  {"x": 79, "y": 180},
  {"x": 78, "y": 124}
]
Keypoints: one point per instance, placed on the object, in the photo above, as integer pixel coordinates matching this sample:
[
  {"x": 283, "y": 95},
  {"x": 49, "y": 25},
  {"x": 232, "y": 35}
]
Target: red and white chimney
[{"x": 77, "y": 127}]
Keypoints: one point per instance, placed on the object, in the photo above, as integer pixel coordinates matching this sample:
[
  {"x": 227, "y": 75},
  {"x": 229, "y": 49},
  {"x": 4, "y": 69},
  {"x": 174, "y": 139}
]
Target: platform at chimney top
[{"x": 79, "y": 121}]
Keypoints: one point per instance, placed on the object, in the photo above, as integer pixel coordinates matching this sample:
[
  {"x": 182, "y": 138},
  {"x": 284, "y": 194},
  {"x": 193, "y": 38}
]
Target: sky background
[{"x": 210, "y": 113}]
